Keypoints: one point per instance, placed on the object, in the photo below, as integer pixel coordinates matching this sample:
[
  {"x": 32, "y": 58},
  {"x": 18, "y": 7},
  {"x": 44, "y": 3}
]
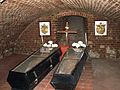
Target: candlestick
[{"x": 42, "y": 39}]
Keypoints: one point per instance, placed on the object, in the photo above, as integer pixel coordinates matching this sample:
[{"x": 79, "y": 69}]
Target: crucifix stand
[{"x": 67, "y": 32}]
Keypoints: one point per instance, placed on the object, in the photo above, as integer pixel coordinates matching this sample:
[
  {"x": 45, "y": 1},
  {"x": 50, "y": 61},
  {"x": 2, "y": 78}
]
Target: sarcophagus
[
  {"x": 69, "y": 70},
  {"x": 26, "y": 75}
]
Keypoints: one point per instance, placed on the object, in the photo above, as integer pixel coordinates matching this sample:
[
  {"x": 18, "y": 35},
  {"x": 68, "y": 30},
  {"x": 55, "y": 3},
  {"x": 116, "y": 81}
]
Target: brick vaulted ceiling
[{"x": 15, "y": 15}]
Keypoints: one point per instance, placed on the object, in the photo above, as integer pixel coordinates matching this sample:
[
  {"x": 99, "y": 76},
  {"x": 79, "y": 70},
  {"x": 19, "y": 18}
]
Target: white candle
[
  {"x": 86, "y": 38},
  {"x": 67, "y": 24},
  {"x": 66, "y": 27}
]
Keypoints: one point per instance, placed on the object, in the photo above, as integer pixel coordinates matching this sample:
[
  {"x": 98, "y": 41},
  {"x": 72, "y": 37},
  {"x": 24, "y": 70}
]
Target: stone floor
[
  {"x": 106, "y": 74},
  {"x": 5, "y": 65},
  {"x": 99, "y": 74}
]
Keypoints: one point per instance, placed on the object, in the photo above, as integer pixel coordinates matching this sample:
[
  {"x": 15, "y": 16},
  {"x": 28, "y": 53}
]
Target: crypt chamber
[
  {"x": 59, "y": 44},
  {"x": 19, "y": 24}
]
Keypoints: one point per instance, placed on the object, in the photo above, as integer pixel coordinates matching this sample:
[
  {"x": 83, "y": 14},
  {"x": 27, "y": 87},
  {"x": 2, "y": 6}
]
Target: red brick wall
[
  {"x": 100, "y": 43},
  {"x": 30, "y": 40}
]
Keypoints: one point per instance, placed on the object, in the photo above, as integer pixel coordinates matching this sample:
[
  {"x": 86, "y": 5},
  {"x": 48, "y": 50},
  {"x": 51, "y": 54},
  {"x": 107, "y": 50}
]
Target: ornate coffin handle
[
  {"x": 51, "y": 66},
  {"x": 36, "y": 80}
]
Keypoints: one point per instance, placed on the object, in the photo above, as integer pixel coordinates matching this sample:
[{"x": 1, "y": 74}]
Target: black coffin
[
  {"x": 69, "y": 70},
  {"x": 26, "y": 75}
]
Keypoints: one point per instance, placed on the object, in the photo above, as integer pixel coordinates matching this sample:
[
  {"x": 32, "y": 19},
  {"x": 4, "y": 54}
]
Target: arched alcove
[{"x": 75, "y": 23}]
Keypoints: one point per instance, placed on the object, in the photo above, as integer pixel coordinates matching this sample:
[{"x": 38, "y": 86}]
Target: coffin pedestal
[
  {"x": 26, "y": 75},
  {"x": 69, "y": 70}
]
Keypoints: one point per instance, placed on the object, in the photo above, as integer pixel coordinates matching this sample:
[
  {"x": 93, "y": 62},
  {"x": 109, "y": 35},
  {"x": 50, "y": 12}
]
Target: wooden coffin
[
  {"x": 69, "y": 70},
  {"x": 29, "y": 73}
]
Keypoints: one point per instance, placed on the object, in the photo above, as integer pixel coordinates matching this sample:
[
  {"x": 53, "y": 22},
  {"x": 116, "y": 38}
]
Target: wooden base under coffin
[
  {"x": 26, "y": 75},
  {"x": 69, "y": 70}
]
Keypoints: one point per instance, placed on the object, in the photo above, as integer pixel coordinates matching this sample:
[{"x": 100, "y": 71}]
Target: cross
[{"x": 66, "y": 32}]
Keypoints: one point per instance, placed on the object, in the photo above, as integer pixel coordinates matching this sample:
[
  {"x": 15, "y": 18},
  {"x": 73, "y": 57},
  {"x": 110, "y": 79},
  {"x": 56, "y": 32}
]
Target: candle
[
  {"x": 67, "y": 24},
  {"x": 66, "y": 27},
  {"x": 86, "y": 38}
]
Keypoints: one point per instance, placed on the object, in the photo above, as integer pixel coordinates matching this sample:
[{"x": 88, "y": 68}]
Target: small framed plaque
[
  {"x": 44, "y": 28},
  {"x": 100, "y": 28}
]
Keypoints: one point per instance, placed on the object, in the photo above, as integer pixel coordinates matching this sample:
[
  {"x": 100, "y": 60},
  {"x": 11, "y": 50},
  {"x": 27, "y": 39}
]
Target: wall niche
[{"x": 75, "y": 23}]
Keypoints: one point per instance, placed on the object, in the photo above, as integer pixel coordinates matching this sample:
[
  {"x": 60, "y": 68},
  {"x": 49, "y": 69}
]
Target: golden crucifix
[{"x": 66, "y": 32}]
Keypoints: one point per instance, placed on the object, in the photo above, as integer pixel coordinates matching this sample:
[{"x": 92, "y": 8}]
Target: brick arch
[{"x": 68, "y": 13}]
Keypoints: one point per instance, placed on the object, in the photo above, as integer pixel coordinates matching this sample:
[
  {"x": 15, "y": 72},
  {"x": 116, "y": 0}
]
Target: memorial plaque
[
  {"x": 29, "y": 73},
  {"x": 69, "y": 70}
]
